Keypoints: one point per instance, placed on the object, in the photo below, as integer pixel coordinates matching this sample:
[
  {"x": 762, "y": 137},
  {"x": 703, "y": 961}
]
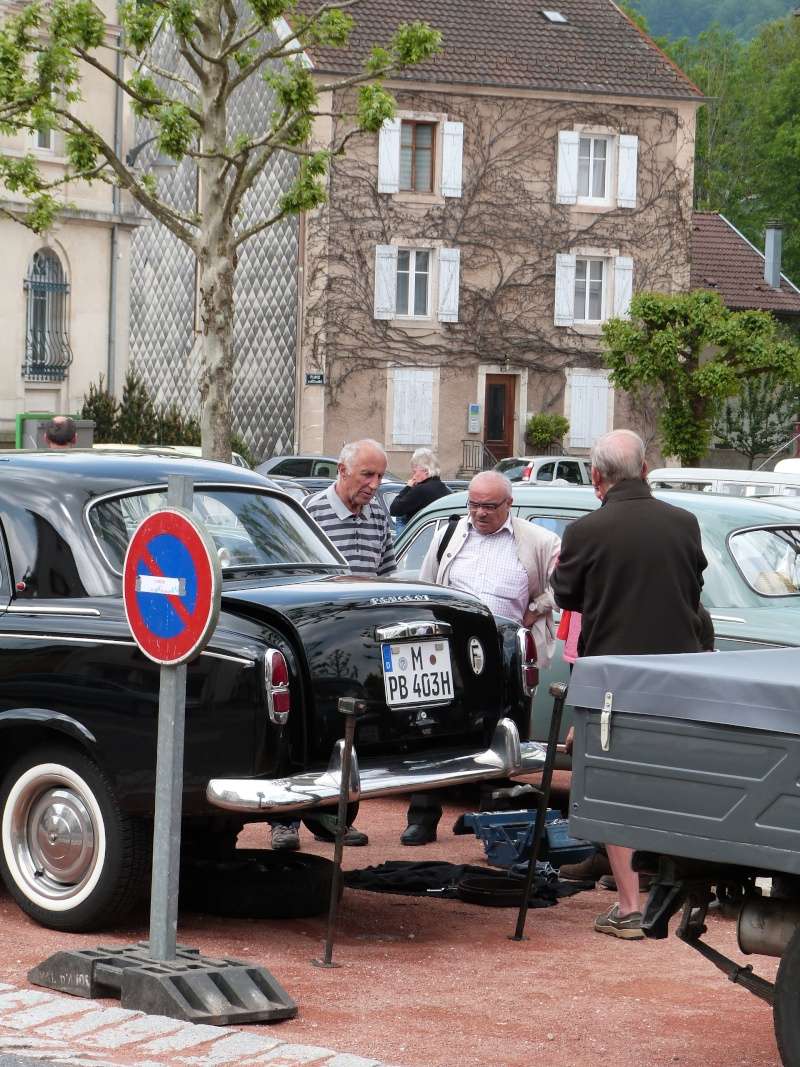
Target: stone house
[
  {"x": 64, "y": 295},
  {"x": 539, "y": 170}
]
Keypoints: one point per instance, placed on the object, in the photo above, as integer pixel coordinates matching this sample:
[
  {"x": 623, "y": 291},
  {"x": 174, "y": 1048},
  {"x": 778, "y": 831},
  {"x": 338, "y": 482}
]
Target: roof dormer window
[{"x": 553, "y": 16}]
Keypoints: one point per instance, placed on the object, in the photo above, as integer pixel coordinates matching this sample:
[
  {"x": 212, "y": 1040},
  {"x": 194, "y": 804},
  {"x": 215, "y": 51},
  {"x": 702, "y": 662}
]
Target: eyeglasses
[{"x": 473, "y": 505}]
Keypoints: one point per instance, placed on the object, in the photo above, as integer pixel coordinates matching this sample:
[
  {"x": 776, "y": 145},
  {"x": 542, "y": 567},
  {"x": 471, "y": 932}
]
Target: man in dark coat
[{"x": 633, "y": 568}]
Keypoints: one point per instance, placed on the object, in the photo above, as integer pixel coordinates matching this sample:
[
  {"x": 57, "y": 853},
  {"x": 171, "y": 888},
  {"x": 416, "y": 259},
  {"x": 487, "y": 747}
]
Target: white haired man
[
  {"x": 362, "y": 534},
  {"x": 634, "y": 569},
  {"x": 423, "y": 487},
  {"x": 506, "y": 562}
]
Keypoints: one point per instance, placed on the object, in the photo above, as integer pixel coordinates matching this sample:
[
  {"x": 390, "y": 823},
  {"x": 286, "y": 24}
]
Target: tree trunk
[{"x": 216, "y": 275}]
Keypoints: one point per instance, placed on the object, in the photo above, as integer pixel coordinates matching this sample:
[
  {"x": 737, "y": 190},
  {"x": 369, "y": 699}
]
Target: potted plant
[{"x": 544, "y": 430}]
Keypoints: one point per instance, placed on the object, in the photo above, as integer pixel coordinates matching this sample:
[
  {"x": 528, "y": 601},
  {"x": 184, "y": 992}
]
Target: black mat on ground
[{"x": 434, "y": 878}]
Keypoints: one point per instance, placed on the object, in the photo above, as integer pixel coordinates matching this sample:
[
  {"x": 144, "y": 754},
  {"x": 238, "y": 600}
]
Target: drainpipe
[
  {"x": 773, "y": 248},
  {"x": 111, "y": 358}
]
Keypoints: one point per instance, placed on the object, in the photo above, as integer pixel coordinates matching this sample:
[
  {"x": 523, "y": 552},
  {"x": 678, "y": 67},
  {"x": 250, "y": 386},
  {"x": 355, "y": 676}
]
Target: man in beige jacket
[{"x": 504, "y": 561}]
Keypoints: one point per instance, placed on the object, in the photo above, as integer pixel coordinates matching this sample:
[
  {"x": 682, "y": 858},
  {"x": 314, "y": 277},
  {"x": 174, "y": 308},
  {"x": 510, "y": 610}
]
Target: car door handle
[{"x": 422, "y": 628}]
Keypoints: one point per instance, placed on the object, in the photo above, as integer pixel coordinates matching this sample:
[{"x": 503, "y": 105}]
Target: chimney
[{"x": 773, "y": 246}]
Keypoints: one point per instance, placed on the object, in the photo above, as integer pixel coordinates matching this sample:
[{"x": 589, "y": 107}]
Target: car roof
[
  {"x": 735, "y": 511},
  {"x": 97, "y": 471}
]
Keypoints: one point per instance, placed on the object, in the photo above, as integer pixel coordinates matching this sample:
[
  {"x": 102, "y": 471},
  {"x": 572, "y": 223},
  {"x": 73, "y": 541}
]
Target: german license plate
[{"x": 417, "y": 672}]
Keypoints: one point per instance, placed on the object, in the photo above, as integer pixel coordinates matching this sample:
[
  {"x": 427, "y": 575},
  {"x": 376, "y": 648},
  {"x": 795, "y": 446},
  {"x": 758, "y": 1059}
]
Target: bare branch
[
  {"x": 259, "y": 228},
  {"x": 108, "y": 73}
]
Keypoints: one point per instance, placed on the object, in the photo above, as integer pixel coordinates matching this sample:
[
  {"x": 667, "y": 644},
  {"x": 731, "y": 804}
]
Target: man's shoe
[
  {"x": 284, "y": 838},
  {"x": 588, "y": 870},
  {"x": 324, "y": 827},
  {"x": 628, "y": 927},
  {"x": 417, "y": 834},
  {"x": 608, "y": 881}
]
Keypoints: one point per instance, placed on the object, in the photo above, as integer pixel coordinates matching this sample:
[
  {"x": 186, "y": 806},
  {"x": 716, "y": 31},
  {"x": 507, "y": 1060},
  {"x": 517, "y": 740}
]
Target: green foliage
[
  {"x": 690, "y": 18},
  {"x": 308, "y": 189},
  {"x": 748, "y": 144},
  {"x": 103, "y": 407},
  {"x": 545, "y": 429},
  {"x": 175, "y": 428},
  {"x": 137, "y": 421},
  {"x": 699, "y": 353},
  {"x": 761, "y": 418}
]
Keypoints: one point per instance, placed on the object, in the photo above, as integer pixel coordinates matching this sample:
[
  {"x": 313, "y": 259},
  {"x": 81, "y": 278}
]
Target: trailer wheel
[{"x": 786, "y": 1007}]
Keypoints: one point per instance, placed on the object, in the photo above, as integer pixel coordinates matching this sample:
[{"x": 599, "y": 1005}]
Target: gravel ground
[{"x": 436, "y": 983}]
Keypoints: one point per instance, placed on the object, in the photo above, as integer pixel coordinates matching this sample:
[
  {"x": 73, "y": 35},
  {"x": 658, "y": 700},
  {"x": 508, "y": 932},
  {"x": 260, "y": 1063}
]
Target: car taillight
[
  {"x": 527, "y": 472},
  {"x": 529, "y": 672},
  {"x": 276, "y": 676}
]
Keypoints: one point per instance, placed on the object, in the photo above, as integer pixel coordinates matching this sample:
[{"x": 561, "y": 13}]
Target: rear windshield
[
  {"x": 251, "y": 529},
  {"x": 769, "y": 559}
]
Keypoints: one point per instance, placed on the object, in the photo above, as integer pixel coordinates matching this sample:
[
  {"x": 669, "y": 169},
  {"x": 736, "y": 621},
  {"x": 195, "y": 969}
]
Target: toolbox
[{"x": 507, "y": 837}]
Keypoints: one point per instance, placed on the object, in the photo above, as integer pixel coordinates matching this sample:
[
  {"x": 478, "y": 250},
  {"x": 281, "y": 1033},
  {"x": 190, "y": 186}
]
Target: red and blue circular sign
[{"x": 171, "y": 586}]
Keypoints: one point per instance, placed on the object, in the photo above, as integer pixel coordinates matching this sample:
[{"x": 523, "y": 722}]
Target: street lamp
[{"x": 162, "y": 163}]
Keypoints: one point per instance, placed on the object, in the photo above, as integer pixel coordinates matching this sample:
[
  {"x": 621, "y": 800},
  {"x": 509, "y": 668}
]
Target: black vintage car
[{"x": 442, "y": 685}]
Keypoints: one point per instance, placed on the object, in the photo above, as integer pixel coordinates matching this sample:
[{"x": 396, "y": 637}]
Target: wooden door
[{"x": 499, "y": 403}]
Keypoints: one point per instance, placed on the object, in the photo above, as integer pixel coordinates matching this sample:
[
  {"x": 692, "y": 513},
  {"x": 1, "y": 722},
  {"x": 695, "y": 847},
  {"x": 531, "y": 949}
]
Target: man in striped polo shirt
[{"x": 358, "y": 528}]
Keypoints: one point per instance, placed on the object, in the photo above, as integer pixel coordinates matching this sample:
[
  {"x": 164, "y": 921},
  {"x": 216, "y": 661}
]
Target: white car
[{"x": 571, "y": 469}]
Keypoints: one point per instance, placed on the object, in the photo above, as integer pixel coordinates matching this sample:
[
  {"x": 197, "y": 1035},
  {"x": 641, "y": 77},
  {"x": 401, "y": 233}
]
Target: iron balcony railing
[
  {"x": 47, "y": 350},
  {"x": 475, "y": 456}
]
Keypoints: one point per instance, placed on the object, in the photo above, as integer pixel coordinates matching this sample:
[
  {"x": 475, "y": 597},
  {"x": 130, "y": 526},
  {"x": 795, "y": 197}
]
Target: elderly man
[
  {"x": 360, "y": 530},
  {"x": 506, "y": 562},
  {"x": 61, "y": 432},
  {"x": 633, "y": 568}
]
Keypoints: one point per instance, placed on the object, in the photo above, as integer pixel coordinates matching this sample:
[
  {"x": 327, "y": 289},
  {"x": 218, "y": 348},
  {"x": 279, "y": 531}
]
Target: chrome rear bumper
[{"x": 504, "y": 758}]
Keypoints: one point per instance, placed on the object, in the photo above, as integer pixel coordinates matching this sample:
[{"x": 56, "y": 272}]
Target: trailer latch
[{"x": 605, "y": 722}]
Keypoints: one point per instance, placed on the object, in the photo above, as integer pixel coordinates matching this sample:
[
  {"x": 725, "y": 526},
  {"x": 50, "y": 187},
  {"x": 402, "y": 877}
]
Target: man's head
[
  {"x": 61, "y": 432},
  {"x": 616, "y": 456},
  {"x": 489, "y": 501},
  {"x": 362, "y": 464}
]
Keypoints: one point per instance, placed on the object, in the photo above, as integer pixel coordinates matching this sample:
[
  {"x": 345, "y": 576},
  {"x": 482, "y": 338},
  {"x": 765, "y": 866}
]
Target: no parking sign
[{"x": 171, "y": 586}]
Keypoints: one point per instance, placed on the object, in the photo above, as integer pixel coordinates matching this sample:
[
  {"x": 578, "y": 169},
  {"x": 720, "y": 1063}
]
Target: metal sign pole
[{"x": 169, "y": 784}]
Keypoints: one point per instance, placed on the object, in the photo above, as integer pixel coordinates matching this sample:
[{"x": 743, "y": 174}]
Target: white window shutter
[
  {"x": 623, "y": 286},
  {"x": 385, "y": 281},
  {"x": 567, "y": 180},
  {"x": 627, "y": 169},
  {"x": 449, "y": 262},
  {"x": 565, "y": 290},
  {"x": 588, "y": 409},
  {"x": 389, "y": 157},
  {"x": 452, "y": 158},
  {"x": 412, "y": 408}
]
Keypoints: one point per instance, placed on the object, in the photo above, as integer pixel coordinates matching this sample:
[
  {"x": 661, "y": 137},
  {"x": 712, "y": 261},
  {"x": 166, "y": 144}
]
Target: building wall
[
  {"x": 508, "y": 228},
  {"x": 81, "y": 238}
]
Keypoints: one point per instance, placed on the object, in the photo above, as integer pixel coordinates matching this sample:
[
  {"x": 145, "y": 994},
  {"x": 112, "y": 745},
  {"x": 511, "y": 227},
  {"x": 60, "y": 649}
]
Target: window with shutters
[
  {"x": 589, "y": 406},
  {"x": 413, "y": 283},
  {"x": 592, "y": 288},
  {"x": 597, "y": 170},
  {"x": 421, "y": 155},
  {"x": 416, "y": 283},
  {"x": 413, "y": 402},
  {"x": 417, "y": 141}
]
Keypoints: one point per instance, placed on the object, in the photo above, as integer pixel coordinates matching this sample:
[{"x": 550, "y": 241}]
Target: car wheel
[
  {"x": 785, "y": 1015},
  {"x": 258, "y": 884},
  {"x": 70, "y": 857}
]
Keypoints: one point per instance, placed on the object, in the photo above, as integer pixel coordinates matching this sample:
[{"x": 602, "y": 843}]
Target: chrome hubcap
[{"x": 60, "y": 836}]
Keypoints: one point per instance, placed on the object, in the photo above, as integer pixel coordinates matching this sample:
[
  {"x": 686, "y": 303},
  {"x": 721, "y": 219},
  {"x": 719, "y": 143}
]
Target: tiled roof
[
  {"x": 511, "y": 43},
  {"x": 724, "y": 261}
]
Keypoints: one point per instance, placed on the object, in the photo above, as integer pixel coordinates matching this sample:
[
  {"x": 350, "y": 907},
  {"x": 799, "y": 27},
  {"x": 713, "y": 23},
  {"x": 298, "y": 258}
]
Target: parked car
[
  {"x": 752, "y": 582},
  {"x": 570, "y": 469},
  {"x": 727, "y": 480},
  {"x": 300, "y": 467},
  {"x": 296, "y": 632},
  {"x": 193, "y": 451}
]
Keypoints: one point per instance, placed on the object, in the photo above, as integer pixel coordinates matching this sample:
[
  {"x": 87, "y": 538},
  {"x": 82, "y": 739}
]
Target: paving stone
[
  {"x": 140, "y": 1028},
  {"x": 295, "y": 1055},
  {"x": 93, "y": 1020},
  {"x": 190, "y": 1035},
  {"x": 233, "y": 1049},
  {"x": 22, "y": 998},
  {"x": 44, "y": 1013},
  {"x": 344, "y": 1059}
]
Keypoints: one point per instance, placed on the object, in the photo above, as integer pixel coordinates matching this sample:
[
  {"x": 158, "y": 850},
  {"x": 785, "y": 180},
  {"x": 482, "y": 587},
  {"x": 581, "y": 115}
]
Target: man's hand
[
  {"x": 529, "y": 618},
  {"x": 569, "y": 740}
]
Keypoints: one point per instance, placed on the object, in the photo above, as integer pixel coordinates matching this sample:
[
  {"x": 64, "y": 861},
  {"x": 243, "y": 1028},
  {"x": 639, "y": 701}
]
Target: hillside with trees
[{"x": 689, "y": 18}]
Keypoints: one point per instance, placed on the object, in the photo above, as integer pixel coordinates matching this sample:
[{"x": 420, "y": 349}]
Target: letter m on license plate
[{"x": 417, "y": 672}]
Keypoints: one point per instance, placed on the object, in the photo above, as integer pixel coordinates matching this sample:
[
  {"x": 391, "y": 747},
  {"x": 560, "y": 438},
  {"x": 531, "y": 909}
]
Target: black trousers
[{"x": 424, "y": 810}]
